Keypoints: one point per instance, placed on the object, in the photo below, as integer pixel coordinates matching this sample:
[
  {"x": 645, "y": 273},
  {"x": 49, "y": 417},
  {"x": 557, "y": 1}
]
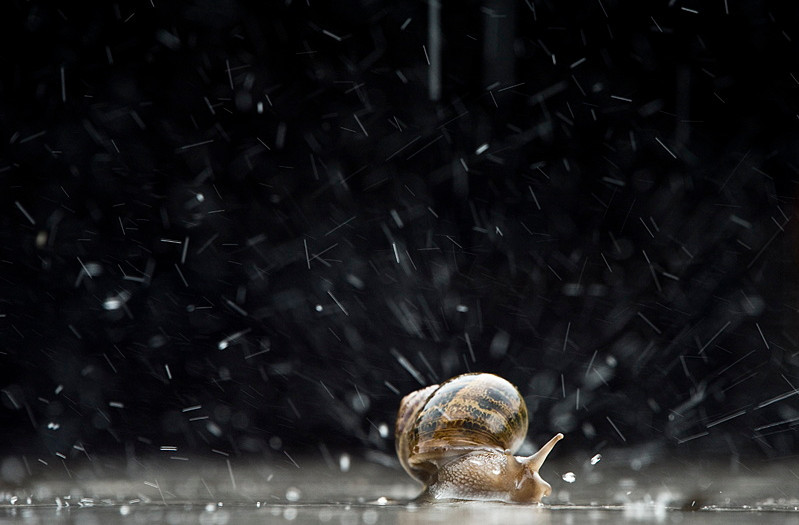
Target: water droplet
[
  {"x": 293, "y": 494},
  {"x": 462, "y": 308},
  {"x": 596, "y": 459},
  {"x": 213, "y": 428},
  {"x": 318, "y": 308},
  {"x": 569, "y": 477},
  {"x": 115, "y": 302},
  {"x": 344, "y": 462}
]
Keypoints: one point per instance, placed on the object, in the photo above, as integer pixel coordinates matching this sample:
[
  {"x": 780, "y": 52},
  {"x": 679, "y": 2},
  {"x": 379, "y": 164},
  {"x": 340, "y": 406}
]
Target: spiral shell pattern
[{"x": 467, "y": 412}]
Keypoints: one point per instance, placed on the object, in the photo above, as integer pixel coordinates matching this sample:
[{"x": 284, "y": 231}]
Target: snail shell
[{"x": 458, "y": 438}]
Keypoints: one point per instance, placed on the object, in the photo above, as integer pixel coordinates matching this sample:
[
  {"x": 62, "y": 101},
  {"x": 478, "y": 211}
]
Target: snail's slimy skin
[
  {"x": 458, "y": 438},
  {"x": 489, "y": 476}
]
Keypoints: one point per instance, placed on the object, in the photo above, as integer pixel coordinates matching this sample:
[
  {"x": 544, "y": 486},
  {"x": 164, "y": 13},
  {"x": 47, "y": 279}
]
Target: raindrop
[
  {"x": 596, "y": 459},
  {"x": 344, "y": 462},
  {"x": 569, "y": 477},
  {"x": 115, "y": 302},
  {"x": 293, "y": 494},
  {"x": 360, "y": 402},
  {"x": 355, "y": 281},
  {"x": 92, "y": 269},
  {"x": 462, "y": 308},
  {"x": 213, "y": 428},
  {"x": 41, "y": 239}
]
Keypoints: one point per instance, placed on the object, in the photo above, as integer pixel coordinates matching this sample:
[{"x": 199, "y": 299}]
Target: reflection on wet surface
[
  {"x": 235, "y": 491},
  {"x": 348, "y": 514}
]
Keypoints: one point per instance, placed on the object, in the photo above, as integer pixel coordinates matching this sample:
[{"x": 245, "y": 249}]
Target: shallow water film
[{"x": 222, "y": 492}]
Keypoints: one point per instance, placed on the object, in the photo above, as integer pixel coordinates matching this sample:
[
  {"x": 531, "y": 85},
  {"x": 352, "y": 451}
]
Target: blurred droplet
[
  {"x": 355, "y": 281},
  {"x": 12, "y": 470},
  {"x": 41, "y": 239},
  {"x": 596, "y": 459},
  {"x": 115, "y": 302},
  {"x": 383, "y": 430},
  {"x": 499, "y": 344},
  {"x": 213, "y": 428},
  {"x": 569, "y": 477},
  {"x": 157, "y": 341},
  {"x": 293, "y": 494},
  {"x": 360, "y": 402},
  {"x": 344, "y": 463},
  {"x": 753, "y": 305},
  {"x": 92, "y": 269}
]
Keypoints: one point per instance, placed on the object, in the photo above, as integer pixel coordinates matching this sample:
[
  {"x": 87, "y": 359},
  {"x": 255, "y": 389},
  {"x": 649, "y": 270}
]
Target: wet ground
[{"x": 348, "y": 490}]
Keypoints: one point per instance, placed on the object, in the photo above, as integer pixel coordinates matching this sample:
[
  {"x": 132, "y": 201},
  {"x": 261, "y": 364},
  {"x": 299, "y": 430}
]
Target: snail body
[{"x": 458, "y": 438}]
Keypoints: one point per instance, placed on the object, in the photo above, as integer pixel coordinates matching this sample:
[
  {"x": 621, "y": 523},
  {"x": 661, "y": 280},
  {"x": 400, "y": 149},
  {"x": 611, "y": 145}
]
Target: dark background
[{"x": 246, "y": 227}]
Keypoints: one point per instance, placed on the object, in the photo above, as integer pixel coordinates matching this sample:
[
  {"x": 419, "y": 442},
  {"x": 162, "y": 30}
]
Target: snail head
[{"x": 529, "y": 484}]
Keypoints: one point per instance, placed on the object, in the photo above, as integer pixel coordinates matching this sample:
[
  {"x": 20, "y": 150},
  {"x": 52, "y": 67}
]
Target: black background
[{"x": 623, "y": 247}]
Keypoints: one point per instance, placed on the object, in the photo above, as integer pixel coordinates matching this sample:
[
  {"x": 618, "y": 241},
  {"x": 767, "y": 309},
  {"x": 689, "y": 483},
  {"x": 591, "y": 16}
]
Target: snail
[{"x": 458, "y": 438}]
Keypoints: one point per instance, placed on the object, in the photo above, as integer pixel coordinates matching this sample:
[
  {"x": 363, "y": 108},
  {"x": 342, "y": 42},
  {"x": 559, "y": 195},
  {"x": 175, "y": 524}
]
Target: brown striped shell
[{"x": 467, "y": 412}]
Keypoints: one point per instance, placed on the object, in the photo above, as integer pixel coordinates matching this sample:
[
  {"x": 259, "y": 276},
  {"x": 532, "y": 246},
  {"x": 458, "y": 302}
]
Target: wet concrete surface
[{"x": 347, "y": 490}]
